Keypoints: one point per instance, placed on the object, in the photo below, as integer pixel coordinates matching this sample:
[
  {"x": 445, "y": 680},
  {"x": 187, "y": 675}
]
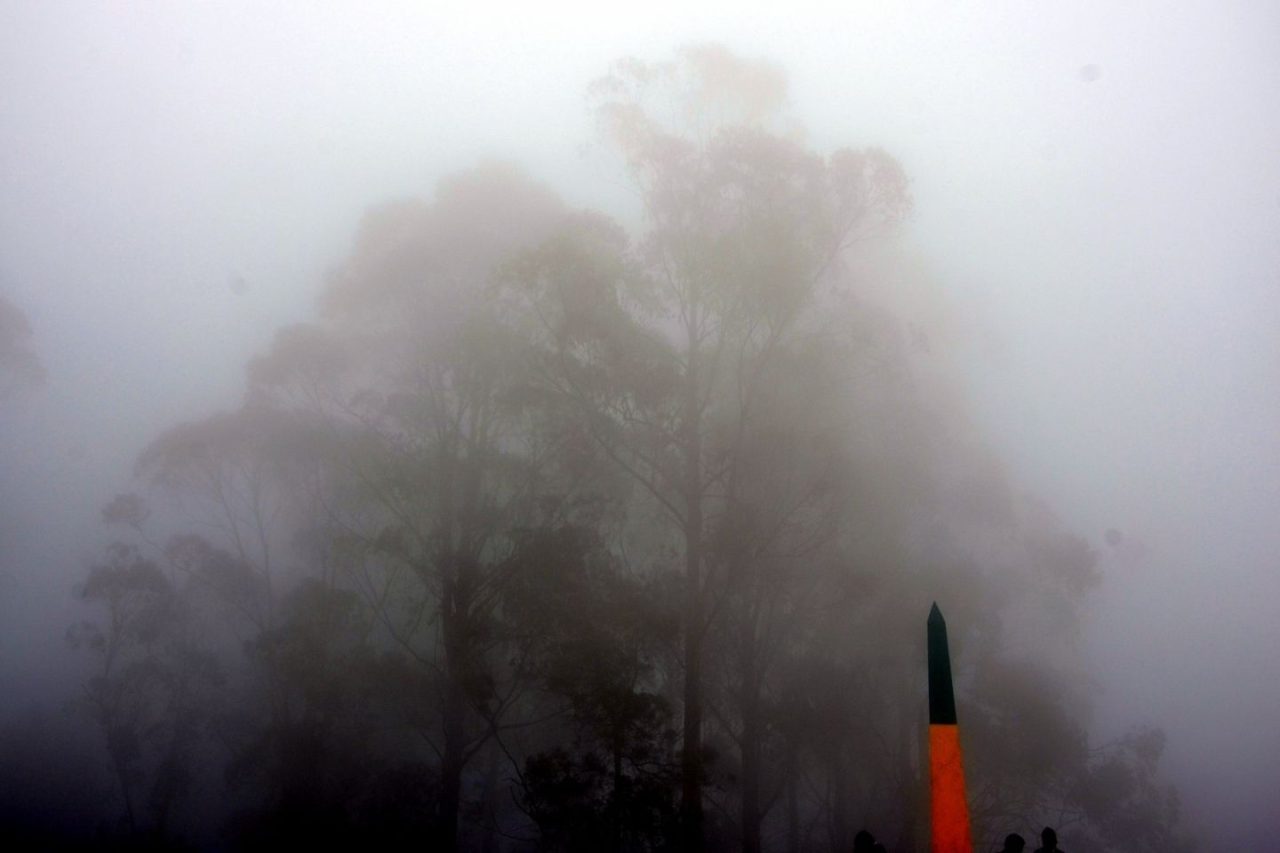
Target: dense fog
[{"x": 505, "y": 428}]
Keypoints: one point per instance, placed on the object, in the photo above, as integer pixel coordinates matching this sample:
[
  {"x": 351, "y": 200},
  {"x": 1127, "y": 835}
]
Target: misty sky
[{"x": 1097, "y": 199}]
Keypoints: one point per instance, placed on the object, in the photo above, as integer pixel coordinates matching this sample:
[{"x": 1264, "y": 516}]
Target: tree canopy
[{"x": 550, "y": 534}]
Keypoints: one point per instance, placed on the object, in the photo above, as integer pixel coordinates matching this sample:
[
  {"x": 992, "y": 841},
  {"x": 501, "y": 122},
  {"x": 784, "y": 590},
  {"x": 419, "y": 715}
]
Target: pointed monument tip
[{"x": 935, "y": 615}]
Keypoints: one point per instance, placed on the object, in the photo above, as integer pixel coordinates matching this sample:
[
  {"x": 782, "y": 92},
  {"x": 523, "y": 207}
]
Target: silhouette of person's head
[
  {"x": 1013, "y": 843},
  {"x": 863, "y": 842},
  {"x": 1048, "y": 839}
]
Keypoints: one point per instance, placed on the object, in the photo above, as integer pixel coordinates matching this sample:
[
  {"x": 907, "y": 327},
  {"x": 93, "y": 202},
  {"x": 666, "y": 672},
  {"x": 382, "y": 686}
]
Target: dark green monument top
[{"x": 942, "y": 700}]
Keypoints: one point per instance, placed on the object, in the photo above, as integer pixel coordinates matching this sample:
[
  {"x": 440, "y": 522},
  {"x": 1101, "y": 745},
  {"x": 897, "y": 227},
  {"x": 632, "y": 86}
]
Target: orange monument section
[{"x": 948, "y": 807}]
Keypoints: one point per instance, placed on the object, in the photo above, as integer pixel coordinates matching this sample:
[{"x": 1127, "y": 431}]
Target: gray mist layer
[{"x": 1097, "y": 193}]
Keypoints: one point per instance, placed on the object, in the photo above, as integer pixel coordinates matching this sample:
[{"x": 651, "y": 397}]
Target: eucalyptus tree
[
  {"x": 435, "y": 463},
  {"x": 666, "y": 344},
  {"x": 153, "y": 690}
]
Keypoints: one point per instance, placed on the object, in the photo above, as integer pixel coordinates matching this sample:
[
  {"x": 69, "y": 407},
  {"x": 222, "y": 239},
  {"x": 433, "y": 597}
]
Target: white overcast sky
[{"x": 1099, "y": 182}]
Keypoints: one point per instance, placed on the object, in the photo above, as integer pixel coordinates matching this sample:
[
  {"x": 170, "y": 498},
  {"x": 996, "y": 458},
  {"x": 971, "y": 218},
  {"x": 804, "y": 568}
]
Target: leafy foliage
[{"x": 550, "y": 534}]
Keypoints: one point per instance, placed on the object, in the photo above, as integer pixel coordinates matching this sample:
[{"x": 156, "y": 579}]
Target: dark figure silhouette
[
  {"x": 879, "y": 848},
  {"x": 864, "y": 842},
  {"x": 1049, "y": 841},
  {"x": 1013, "y": 843}
]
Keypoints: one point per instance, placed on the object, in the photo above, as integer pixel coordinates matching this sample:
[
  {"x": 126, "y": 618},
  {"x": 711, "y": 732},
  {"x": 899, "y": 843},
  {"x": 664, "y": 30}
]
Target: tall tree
[
  {"x": 433, "y": 456},
  {"x": 665, "y": 348},
  {"x": 152, "y": 693}
]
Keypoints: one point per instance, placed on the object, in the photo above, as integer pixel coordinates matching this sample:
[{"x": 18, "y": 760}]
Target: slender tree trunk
[
  {"x": 106, "y": 718},
  {"x": 616, "y": 797},
  {"x": 839, "y": 801},
  {"x": 450, "y": 779},
  {"x": 752, "y": 735},
  {"x": 793, "y": 799},
  {"x": 452, "y": 616},
  {"x": 751, "y": 816},
  {"x": 492, "y": 804},
  {"x": 122, "y": 776},
  {"x": 454, "y": 722},
  {"x": 691, "y": 759}
]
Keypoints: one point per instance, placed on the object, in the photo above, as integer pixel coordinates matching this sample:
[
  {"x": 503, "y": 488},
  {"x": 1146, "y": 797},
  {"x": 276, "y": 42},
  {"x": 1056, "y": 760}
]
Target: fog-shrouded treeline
[{"x": 548, "y": 533}]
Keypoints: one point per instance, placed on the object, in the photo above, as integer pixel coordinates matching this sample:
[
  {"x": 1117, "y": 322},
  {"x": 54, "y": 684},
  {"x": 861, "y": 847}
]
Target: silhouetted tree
[
  {"x": 609, "y": 781},
  {"x": 434, "y": 459},
  {"x": 151, "y": 695},
  {"x": 19, "y": 364},
  {"x": 665, "y": 347}
]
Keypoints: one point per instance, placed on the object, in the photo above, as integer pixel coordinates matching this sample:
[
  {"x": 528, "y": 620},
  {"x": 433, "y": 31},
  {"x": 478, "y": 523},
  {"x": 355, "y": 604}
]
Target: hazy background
[{"x": 1097, "y": 192}]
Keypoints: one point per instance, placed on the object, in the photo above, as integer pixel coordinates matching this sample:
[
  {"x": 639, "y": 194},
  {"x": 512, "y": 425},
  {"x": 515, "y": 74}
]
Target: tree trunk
[
  {"x": 752, "y": 734},
  {"x": 122, "y": 776},
  {"x": 450, "y": 784},
  {"x": 793, "y": 799},
  {"x": 617, "y": 812},
  {"x": 691, "y": 759},
  {"x": 492, "y": 804},
  {"x": 840, "y": 830},
  {"x": 454, "y": 723}
]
